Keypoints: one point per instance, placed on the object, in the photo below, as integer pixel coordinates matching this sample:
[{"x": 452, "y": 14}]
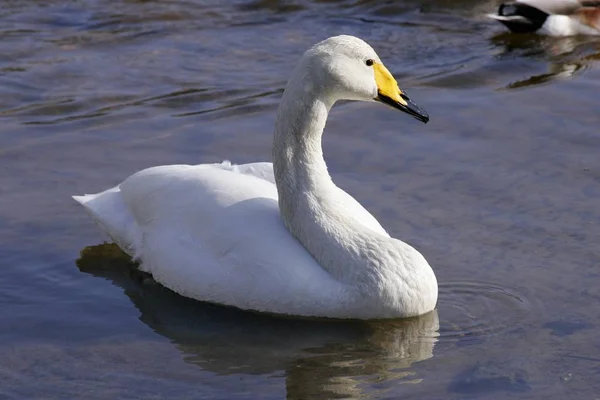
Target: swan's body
[
  {"x": 282, "y": 237},
  {"x": 551, "y": 17}
]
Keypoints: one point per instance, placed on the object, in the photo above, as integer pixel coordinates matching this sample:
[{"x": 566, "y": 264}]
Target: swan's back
[{"x": 213, "y": 233}]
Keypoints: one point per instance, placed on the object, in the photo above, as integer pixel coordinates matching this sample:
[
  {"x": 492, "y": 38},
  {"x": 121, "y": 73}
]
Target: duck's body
[
  {"x": 279, "y": 238},
  {"x": 551, "y": 17}
]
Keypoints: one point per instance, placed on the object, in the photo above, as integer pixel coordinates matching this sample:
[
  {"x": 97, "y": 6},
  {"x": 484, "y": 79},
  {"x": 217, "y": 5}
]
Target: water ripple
[{"x": 471, "y": 308}]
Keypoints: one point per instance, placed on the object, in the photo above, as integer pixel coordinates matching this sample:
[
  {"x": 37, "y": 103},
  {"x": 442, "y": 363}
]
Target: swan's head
[{"x": 347, "y": 68}]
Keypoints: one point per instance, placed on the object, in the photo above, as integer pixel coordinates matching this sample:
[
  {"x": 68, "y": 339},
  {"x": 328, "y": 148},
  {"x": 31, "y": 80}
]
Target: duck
[
  {"x": 280, "y": 237},
  {"x": 550, "y": 17}
]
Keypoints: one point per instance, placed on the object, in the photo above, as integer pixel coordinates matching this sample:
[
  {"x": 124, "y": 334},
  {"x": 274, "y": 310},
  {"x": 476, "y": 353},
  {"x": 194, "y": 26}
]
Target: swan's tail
[{"x": 110, "y": 212}]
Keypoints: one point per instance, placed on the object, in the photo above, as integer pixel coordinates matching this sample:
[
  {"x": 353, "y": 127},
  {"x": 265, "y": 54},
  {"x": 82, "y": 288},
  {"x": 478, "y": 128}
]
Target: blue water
[{"x": 500, "y": 192}]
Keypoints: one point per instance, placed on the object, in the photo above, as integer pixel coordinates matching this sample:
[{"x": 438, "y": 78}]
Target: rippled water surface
[{"x": 500, "y": 192}]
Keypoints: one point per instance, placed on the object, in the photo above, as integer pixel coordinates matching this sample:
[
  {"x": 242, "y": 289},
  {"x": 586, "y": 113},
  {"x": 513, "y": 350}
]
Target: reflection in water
[
  {"x": 321, "y": 358},
  {"x": 557, "y": 71},
  {"x": 564, "y": 57}
]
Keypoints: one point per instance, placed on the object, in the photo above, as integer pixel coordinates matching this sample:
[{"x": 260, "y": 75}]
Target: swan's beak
[{"x": 389, "y": 93}]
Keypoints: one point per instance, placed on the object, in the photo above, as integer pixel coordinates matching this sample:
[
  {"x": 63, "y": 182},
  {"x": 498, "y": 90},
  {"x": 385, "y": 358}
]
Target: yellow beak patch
[{"x": 386, "y": 84}]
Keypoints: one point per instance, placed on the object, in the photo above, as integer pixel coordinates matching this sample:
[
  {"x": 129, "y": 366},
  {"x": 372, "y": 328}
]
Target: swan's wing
[{"x": 216, "y": 235}]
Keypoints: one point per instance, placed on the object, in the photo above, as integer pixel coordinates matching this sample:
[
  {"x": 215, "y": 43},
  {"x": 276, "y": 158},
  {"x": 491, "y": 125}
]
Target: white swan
[{"x": 281, "y": 237}]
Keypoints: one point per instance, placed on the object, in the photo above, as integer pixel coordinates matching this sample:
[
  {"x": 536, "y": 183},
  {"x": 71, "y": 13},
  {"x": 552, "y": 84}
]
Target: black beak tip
[
  {"x": 423, "y": 117},
  {"x": 410, "y": 108},
  {"x": 417, "y": 112}
]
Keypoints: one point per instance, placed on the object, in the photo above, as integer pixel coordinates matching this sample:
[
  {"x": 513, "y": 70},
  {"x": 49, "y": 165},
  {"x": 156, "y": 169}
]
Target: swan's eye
[{"x": 369, "y": 62}]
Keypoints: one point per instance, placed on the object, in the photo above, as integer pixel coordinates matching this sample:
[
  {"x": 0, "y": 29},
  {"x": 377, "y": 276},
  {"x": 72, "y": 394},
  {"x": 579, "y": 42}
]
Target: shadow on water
[{"x": 319, "y": 357}]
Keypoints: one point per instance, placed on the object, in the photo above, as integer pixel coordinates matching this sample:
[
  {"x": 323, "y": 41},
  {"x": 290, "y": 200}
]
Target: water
[{"x": 499, "y": 192}]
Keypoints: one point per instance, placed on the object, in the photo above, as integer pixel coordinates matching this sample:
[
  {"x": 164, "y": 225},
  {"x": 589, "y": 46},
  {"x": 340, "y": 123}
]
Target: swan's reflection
[
  {"x": 320, "y": 358},
  {"x": 564, "y": 56}
]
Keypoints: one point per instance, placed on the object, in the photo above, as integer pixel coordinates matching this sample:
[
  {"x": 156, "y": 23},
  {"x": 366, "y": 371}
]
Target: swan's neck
[
  {"x": 297, "y": 153},
  {"x": 309, "y": 202}
]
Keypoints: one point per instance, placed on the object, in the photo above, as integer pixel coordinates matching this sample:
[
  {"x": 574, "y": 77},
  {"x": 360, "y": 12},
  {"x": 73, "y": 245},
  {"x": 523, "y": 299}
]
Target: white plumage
[{"x": 289, "y": 242}]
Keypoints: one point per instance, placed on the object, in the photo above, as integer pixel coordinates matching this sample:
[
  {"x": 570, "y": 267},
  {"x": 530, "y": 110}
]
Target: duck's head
[
  {"x": 347, "y": 68},
  {"x": 520, "y": 17}
]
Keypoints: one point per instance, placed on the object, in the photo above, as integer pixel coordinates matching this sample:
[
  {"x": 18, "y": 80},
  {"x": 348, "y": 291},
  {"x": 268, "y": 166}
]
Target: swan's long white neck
[
  {"x": 297, "y": 153},
  {"x": 310, "y": 203}
]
